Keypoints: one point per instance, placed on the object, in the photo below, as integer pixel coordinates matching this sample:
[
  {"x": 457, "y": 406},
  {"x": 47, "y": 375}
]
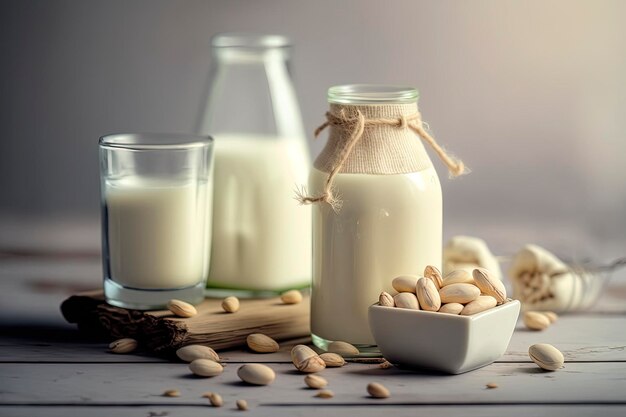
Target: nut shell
[
  {"x": 260, "y": 343},
  {"x": 551, "y": 315},
  {"x": 433, "y": 273},
  {"x": 171, "y": 393},
  {"x": 376, "y": 390},
  {"x": 546, "y": 356},
  {"x": 315, "y": 381},
  {"x": 190, "y": 353},
  {"x": 482, "y": 303},
  {"x": 325, "y": 393},
  {"x": 342, "y": 348},
  {"x": 405, "y": 283},
  {"x": 535, "y": 320},
  {"x": 459, "y": 293},
  {"x": 125, "y": 345},
  {"x": 256, "y": 374},
  {"x": 306, "y": 359},
  {"x": 451, "y": 308},
  {"x": 333, "y": 360},
  {"x": 458, "y": 276},
  {"x": 205, "y": 367},
  {"x": 406, "y": 300},
  {"x": 428, "y": 295},
  {"x": 181, "y": 308},
  {"x": 386, "y": 300},
  {"x": 242, "y": 405},
  {"x": 489, "y": 284},
  {"x": 291, "y": 297},
  {"x": 216, "y": 400},
  {"x": 230, "y": 304}
]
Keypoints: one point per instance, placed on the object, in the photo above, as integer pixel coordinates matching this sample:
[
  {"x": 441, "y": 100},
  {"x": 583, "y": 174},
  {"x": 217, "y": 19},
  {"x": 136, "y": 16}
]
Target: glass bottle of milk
[
  {"x": 262, "y": 237},
  {"x": 382, "y": 216}
]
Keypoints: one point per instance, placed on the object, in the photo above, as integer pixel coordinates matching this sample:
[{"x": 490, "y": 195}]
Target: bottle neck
[
  {"x": 249, "y": 56},
  {"x": 375, "y": 111},
  {"x": 251, "y": 93}
]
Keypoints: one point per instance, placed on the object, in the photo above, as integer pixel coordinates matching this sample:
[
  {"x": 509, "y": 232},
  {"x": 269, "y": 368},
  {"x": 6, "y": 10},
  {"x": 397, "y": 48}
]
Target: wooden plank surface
[
  {"x": 580, "y": 338},
  {"x": 32, "y": 289},
  {"x": 370, "y": 410},
  {"x": 47, "y": 368},
  {"x": 130, "y": 384}
]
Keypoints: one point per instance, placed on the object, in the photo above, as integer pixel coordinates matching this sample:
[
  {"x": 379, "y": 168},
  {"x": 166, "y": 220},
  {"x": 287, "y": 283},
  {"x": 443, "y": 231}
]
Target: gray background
[{"x": 531, "y": 94}]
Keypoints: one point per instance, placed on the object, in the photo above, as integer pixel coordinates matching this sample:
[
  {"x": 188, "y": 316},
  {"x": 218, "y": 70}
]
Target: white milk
[
  {"x": 261, "y": 235},
  {"x": 158, "y": 233},
  {"x": 389, "y": 225}
]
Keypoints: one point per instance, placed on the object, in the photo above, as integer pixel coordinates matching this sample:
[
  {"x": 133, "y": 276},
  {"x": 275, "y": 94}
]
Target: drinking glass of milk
[
  {"x": 156, "y": 195},
  {"x": 261, "y": 237}
]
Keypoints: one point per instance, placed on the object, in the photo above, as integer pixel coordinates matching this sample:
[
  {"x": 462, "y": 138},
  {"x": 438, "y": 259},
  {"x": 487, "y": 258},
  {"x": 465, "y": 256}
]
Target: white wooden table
[{"x": 47, "y": 368}]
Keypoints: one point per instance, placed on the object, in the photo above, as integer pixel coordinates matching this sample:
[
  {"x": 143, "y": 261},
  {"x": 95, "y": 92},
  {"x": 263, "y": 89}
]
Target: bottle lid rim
[
  {"x": 249, "y": 40},
  {"x": 372, "y": 94}
]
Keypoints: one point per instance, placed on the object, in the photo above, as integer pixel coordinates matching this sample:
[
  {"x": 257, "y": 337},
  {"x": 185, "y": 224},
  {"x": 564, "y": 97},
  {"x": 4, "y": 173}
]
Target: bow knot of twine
[
  {"x": 403, "y": 122},
  {"x": 357, "y": 125}
]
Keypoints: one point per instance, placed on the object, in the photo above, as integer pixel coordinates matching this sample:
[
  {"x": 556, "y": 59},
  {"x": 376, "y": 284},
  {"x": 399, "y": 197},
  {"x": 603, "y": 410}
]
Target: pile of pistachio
[{"x": 458, "y": 292}]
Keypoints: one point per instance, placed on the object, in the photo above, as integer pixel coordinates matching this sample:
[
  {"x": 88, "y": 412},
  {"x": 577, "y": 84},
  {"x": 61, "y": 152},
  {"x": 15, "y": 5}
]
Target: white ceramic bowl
[{"x": 443, "y": 342}]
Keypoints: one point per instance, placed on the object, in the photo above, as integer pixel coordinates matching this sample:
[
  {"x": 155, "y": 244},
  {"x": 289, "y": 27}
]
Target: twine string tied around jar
[{"x": 356, "y": 126}]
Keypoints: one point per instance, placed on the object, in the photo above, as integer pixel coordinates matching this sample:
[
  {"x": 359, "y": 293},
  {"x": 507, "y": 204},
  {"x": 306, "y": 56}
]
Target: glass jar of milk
[
  {"x": 382, "y": 216},
  {"x": 262, "y": 237}
]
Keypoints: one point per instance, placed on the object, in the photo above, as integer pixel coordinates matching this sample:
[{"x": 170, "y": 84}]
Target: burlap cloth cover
[
  {"x": 382, "y": 149},
  {"x": 379, "y": 139}
]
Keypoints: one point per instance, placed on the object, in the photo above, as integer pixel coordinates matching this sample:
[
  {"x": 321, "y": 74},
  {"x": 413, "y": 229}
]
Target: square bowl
[{"x": 443, "y": 342}]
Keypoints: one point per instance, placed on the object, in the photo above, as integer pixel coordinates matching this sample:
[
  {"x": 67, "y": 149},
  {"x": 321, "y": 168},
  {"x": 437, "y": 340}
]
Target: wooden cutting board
[{"x": 162, "y": 332}]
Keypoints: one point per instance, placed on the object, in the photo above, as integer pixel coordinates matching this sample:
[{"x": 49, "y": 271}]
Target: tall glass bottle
[
  {"x": 390, "y": 219},
  {"x": 262, "y": 237}
]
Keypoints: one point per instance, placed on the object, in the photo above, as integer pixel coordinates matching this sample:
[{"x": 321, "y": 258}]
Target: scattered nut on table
[
  {"x": 230, "y": 304},
  {"x": 546, "y": 356},
  {"x": 325, "y": 393},
  {"x": 190, "y": 353},
  {"x": 536, "y": 321},
  {"x": 216, "y": 400},
  {"x": 171, "y": 393},
  {"x": 260, "y": 343},
  {"x": 256, "y": 374},
  {"x": 125, "y": 345},
  {"x": 306, "y": 359},
  {"x": 342, "y": 348},
  {"x": 206, "y": 367},
  {"x": 315, "y": 381},
  {"x": 333, "y": 360},
  {"x": 377, "y": 390},
  {"x": 551, "y": 315},
  {"x": 181, "y": 308},
  {"x": 291, "y": 297}
]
